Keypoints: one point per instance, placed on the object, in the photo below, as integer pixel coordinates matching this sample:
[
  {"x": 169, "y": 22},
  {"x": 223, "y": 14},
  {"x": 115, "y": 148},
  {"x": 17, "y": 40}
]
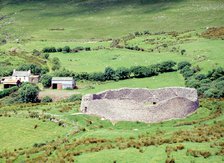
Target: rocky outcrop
[{"x": 142, "y": 105}]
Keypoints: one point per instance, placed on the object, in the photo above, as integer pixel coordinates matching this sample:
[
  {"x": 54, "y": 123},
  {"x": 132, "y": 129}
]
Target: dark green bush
[
  {"x": 109, "y": 73},
  {"x": 46, "y": 80},
  {"x": 28, "y": 93},
  {"x": 66, "y": 49},
  {"x": 97, "y": 76},
  {"x": 122, "y": 73},
  {"x": 167, "y": 66},
  {"x": 182, "y": 64},
  {"x": 8, "y": 91}
]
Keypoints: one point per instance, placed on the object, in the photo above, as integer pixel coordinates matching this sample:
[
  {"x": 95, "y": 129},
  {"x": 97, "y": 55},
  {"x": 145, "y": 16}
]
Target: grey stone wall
[{"x": 144, "y": 105}]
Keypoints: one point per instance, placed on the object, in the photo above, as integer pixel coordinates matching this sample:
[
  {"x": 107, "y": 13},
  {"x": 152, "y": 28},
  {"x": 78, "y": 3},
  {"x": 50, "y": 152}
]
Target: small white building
[
  {"x": 22, "y": 76},
  {"x": 63, "y": 83}
]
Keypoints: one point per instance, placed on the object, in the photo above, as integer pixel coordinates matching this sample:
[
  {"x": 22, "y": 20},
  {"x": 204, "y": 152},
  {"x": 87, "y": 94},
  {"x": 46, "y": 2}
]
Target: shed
[{"x": 62, "y": 83}]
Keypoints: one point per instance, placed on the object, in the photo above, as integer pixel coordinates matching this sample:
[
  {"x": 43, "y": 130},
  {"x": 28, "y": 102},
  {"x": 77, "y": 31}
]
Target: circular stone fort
[{"x": 143, "y": 105}]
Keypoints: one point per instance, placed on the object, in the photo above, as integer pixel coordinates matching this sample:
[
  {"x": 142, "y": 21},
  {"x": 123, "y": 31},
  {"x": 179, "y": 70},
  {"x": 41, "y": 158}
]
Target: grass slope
[{"x": 105, "y": 19}]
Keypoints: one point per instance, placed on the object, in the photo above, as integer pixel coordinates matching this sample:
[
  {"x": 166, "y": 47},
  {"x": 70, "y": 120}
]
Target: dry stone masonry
[{"x": 141, "y": 105}]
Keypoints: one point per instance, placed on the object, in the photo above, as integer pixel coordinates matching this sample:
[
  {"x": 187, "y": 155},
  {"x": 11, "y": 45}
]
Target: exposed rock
[{"x": 142, "y": 105}]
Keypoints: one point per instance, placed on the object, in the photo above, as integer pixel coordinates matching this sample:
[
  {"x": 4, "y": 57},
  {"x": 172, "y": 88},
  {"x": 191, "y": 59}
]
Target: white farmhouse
[{"x": 22, "y": 76}]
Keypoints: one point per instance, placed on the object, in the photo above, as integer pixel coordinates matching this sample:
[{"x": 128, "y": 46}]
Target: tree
[
  {"x": 109, "y": 73},
  {"x": 46, "y": 80},
  {"x": 56, "y": 64},
  {"x": 28, "y": 93}
]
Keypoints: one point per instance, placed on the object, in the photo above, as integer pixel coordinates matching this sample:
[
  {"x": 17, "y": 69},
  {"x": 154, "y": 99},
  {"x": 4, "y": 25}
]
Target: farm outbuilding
[{"x": 63, "y": 83}]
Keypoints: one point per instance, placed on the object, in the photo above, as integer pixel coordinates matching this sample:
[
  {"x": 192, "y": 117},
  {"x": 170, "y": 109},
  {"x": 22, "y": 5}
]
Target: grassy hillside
[
  {"x": 198, "y": 138},
  {"x": 114, "y": 30},
  {"x": 67, "y": 20}
]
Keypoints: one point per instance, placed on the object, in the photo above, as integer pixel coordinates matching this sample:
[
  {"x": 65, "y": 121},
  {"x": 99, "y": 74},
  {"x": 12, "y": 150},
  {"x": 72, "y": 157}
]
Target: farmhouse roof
[
  {"x": 62, "y": 79},
  {"x": 21, "y": 73}
]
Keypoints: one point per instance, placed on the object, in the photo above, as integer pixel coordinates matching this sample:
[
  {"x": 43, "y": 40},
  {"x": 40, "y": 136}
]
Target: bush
[
  {"x": 139, "y": 71},
  {"x": 46, "y": 80},
  {"x": 167, "y": 66},
  {"x": 59, "y": 49},
  {"x": 56, "y": 64},
  {"x": 97, "y": 76},
  {"x": 49, "y": 50},
  {"x": 122, "y": 73},
  {"x": 187, "y": 72},
  {"x": 8, "y": 91},
  {"x": 82, "y": 76},
  {"x": 46, "y": 55},
  {"x": 183, "y": 64},
  {"x": 46, "y": 99},
  {"x": 66, "y": 49},
  {"x": 28, "y": 93},
  {"x": 109, "y": 73}
]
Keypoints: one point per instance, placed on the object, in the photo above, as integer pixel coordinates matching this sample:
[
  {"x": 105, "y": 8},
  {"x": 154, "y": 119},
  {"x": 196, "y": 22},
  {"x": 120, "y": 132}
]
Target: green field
[
  {"x": 57, "y": 131},
  {"x": 106, "y": 19},
  {"x": 163, "y": 80},
  {"x": 20, "y": 132}
]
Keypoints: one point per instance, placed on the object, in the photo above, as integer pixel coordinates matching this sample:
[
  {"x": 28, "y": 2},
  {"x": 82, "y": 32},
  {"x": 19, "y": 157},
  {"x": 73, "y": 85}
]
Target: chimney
[{"x": 14, "y": 70}]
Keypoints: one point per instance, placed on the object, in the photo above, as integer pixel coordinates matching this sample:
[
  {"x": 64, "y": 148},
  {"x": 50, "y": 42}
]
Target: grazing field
[
  {"x": 163, "y": 80},
  {"x": 20, "y": 132},
  {"x": 114, "y": 33},
  {"x": 198, "y": 138},
  {"x": 66, "y": 20}
]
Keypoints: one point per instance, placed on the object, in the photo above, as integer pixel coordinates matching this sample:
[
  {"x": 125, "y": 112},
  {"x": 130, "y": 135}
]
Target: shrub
[
  {"x": 46, "y": 55},
  {"x": 28, "y": 93},
  {"x": 82, "y": 76},
  {"x": 49, "y": 50},
  {"x": 56, "y": 64},
  {"x": 8, "y": 91},
  {"x": 122, "y": 73},
  {"x": 97, "y": 76},
  {"x": 46, "y": 80},
  {"x": 59, "y": 49},
  {"x": 109, "y": 73},
  {"x": 66, "y": 49},
  {"x": 167, "y": 66},
  {"x": 46, "y": 99},
  {"x": 182, "y": 64},
  {"x": 139, "y": 71}
]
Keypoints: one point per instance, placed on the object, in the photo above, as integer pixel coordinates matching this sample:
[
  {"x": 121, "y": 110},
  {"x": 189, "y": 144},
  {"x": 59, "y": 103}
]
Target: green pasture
[
  {"x": 173, "y": 79},
  {"x": 207, "y": 54},
  {"x": 20, "y": 132},
  {"x": 39, "y": 20}
]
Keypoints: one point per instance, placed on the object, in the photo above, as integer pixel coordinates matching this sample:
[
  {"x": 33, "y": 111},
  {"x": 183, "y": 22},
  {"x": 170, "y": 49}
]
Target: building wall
[
  {"x": 64, "y": 84},
  {"x": 22, "y": 79}
]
